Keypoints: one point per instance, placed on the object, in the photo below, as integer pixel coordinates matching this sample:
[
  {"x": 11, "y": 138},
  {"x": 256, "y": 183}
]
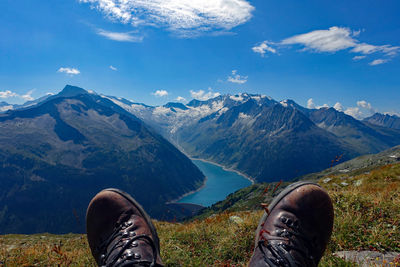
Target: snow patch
[
  {"x": 5, "y": 108},
  {"x": 238, "y": 98},
  {"x": 244, "y": 116}
]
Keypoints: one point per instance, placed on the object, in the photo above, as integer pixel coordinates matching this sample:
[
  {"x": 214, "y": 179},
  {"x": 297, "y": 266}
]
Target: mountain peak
[
  {"x": 70, "y": 90},
  {"x": 385, "y": 120}
]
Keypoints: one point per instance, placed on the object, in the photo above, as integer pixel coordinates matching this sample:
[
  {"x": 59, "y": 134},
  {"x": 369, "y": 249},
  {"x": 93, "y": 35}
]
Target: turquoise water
[{"x": 219, "y": 184}]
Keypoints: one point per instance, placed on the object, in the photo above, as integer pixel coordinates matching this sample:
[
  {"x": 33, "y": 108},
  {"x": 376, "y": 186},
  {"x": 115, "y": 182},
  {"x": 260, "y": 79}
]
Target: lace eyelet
[
  {"x": 125, "y": 234},
  {"x": 131, "y": 234},
  {"x": 137, "y": 256},
  {"x": 129, "y": 253}
]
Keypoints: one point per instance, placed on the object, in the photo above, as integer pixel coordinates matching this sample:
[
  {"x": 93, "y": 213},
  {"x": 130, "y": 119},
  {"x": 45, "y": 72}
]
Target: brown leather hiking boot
[
  {"x": 295, "y": 229},
  {"x": 119, "y": 231}
]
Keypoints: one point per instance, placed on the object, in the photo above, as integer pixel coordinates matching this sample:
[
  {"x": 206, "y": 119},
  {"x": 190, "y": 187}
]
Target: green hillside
[{"x": 367, "y": 208}]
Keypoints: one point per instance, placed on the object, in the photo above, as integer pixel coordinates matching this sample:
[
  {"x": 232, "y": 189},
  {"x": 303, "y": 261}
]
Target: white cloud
[
  {"x": 7, "y": 94},
  {"x": 359, "y": 57},
  {"x": 333, "y": 40},
  {"x": 160, "y": 93},
  {"x": 70, "y": 71},
  {"x": 263, "y": 48},
  {"x": 364, "y": 104},
  {"x": 310, "y": 103},
  {"x": 378, "y": 62},
  {"x": 182, "y": 16},
  {"x": 202, "y": 95},
  {"x": 28, "y": 96},
  {"x": 354, "y": 112},
  {"x": 113, "y": 68},
  {"x": 365, "y": 49},
  {"x": 236, "y": 78},
  {"x": 180, "y": 99},
  {"x": 362, "y": 110},
  {"x": 120, "y": 36},
  {"x": 338, "y": 107},
  {"x": 10, "y": 94}
]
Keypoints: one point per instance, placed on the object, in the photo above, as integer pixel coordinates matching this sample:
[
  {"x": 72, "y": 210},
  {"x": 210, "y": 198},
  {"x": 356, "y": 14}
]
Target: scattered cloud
[
  {"x": 160, "y": 93},
  {"x": 202, "y": 95},
  {"x": 361, "y": 111},
  {"x": 338, "y": 107},
  {"x": 236, "y": 78},
  {"x": 113, "y": 68},
  {"x": 333, "y": 40},
  {"x": 359, "y": 57},
  {"x": 310, "y": 103},
  {"x": 70, "y": 71},
  {"x": 180, "y": 99},
  {"x": 28, "y": 96},
  {"x": 180, "y": 16},
  {"x": 263, "y": 48},
  {"x": 365, "y": 104},
  {"x": 120, "y": 36},
  {"x": 378, "y": 62},
  {"x": 10, "y": 94},
  {"x": 354, "y": 112},
  {"x": 7, "y": 94}
]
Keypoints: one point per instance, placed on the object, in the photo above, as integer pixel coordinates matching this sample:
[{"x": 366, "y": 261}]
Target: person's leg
[
  {"x": 295, "y": 229},
  {"x": 119, "y": 231}
]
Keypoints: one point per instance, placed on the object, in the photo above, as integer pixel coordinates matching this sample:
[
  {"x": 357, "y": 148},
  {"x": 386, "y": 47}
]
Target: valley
[{"x": 60, "y": 150}]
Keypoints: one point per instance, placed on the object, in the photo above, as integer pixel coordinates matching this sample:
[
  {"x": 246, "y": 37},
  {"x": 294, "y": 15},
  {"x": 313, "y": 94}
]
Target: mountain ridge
[
  {"x": 234, "y": 115},
  {"x": 57, "y": 154}
]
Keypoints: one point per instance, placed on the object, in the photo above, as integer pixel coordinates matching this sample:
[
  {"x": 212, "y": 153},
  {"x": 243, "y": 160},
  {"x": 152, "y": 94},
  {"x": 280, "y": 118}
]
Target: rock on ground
[{"x": 371, "y": 258}]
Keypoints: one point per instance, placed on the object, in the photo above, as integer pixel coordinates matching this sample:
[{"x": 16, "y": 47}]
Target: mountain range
[
  {"x": 56, "y": 155},
  {"x": 384, "y": 120},
  {"x": 58, "y": 151},
  {"x": 263, "y": 138}
]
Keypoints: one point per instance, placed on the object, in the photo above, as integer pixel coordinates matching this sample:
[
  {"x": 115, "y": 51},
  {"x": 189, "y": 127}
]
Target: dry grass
[
  {"x": 367, "y": 210},
  {"x": 367, "y": 217}
]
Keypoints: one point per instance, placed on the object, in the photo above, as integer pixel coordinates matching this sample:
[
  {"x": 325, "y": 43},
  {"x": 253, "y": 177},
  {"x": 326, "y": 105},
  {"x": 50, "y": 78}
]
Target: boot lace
[
  {"x": 118, "y": 247},
  {"x": 284, "y": 241}
]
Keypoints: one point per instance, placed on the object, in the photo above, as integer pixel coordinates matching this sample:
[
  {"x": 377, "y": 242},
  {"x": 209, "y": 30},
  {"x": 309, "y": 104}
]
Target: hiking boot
[
  {"x": 119, "y": 231},
  {"x": 295, "y": 229}
]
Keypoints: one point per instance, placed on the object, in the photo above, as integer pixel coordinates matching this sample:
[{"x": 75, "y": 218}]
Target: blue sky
[{"x": 339, "y": 53}]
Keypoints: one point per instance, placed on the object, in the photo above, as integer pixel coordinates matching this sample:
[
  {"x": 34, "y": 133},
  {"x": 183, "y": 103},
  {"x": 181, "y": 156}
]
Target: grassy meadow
[{"x": 367, "y": 217}]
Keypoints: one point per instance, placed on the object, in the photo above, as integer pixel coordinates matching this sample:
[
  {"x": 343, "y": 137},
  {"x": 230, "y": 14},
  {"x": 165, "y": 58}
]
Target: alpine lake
[{"x": 219, "y": 184}]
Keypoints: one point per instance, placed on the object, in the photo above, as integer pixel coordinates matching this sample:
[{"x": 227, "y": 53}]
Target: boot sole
[
  {"x": 276, "y": 200},
  {"x": 142, "y": 213}
]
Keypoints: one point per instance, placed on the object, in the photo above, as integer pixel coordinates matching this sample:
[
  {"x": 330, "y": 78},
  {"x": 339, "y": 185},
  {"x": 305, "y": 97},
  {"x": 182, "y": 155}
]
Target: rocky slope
[
  {"x": 263, "y": 138},
  {"x": 57, "y": 154},
  {"x": 384, "y": 120}
]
